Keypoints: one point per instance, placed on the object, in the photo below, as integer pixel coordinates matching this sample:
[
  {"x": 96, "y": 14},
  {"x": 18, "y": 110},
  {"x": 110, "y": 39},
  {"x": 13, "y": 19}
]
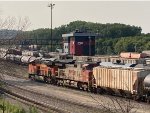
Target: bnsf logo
[{"x": 80, "y": 43}]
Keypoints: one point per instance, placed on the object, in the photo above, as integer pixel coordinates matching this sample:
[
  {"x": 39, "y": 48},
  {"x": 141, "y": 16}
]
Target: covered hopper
[{"x": 120, "y": 79}]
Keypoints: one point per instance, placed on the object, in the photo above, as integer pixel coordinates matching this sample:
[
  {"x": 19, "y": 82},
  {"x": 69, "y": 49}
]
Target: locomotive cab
[
  {"x": 87, "y": 71},
  {"x": 32, "y": 69}
]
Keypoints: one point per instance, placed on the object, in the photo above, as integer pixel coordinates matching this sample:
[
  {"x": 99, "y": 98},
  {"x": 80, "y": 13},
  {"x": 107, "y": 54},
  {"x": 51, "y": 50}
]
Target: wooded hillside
[{"x": 112, "y": 39}]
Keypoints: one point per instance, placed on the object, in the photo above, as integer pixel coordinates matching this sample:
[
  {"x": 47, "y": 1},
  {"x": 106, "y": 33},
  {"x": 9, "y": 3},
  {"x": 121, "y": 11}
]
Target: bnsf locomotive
[
  {"x": 90, "y": 76},
  {"x": 64, "y": 72}
]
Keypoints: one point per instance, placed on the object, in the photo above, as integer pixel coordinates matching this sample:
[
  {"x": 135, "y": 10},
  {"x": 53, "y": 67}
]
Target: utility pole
[{"x": 51, "y": 5}]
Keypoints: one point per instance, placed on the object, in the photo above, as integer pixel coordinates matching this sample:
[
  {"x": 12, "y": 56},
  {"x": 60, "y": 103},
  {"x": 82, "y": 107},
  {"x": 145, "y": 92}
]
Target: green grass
[{"x": 7, "y": 107}]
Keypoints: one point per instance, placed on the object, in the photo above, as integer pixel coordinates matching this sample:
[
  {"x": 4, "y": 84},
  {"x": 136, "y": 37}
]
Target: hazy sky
[{"x": 133, "y": 13}]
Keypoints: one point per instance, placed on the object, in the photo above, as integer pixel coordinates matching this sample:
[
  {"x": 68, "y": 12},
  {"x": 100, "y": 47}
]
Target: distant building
[{"x": 79, "y": 43}]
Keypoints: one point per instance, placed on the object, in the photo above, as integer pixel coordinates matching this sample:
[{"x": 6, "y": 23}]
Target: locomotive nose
[{"x": 147, "y": 82}]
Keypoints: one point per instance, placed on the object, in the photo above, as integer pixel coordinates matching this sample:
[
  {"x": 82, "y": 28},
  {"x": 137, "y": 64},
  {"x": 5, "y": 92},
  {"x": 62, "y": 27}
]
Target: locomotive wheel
[
  {"x": 84, "y": 87},
  {"x": 29, "y": 76},
  {"x": 47, "y": 80},
  {"x": 58, "y": 83},
  {"x": 32, "y": 78},
  {"x": 79, "y": 86}
]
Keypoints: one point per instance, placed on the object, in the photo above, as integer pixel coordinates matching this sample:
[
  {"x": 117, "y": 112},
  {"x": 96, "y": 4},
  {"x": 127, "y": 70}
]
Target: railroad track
[
  {"x": 24, "y": 100},
  {"x": 12, "y": 91},
  {"x": 57, "y": 104},
  {"x": 45, "y": 102}
]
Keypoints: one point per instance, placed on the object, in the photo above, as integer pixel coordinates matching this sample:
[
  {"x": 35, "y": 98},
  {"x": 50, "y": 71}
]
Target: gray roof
[
  {"x": 110, "y": 64},
  {"x": 78, "y": 34}
]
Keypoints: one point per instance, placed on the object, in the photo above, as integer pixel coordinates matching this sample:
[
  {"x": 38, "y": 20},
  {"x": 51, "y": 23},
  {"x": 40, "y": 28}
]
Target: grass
[{"x": 7, "y": 107}]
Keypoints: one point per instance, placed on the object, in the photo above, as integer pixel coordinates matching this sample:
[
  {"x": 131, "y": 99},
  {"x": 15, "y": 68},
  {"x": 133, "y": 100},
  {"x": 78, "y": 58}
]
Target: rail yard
[{"x": 74, "y": 81}]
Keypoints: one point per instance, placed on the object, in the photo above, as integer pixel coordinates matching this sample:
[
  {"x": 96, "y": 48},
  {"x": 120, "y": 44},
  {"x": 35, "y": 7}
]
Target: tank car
[
  {"x": 27, "y": 59},
  {"x": 17, "y": 59},
  {"x": 10, "y": 57},
  {"x": 14, "y": 51}
]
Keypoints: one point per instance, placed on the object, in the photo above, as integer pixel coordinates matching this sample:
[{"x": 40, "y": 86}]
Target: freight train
[{"x": 90, "y": 76}]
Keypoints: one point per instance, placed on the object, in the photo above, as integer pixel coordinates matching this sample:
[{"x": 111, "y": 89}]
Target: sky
[{"x": 132, "y": 13}]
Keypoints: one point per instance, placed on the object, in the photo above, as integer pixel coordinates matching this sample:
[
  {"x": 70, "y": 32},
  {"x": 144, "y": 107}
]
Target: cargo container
[
  {"x": 119, "y": 80},
  {"x": 132, "y": 55},
  {"x": 125, "y": 55},
  {"x": 138, "y": 55}
]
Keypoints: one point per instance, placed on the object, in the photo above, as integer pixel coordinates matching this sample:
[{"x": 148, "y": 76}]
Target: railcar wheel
[
  {"x": 94, "y": 90},
  {"x": 148, "y": 100},
  {"x": 100, "y": 90},
  {"x": 136, "y": 98},
  {"x": 79, "y": 86},
  {"x": 32, "y": 78}
]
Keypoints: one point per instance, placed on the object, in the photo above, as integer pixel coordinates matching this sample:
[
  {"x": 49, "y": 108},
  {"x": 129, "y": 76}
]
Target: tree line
[{"x": 111, "y": 39}]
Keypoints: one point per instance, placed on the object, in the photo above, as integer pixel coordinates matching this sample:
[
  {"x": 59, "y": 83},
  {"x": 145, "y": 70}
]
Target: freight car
[
  {"x": 129, "y": 82},
  {"x": 14, "y": 51},
  {"x": 19, "y": 59}
]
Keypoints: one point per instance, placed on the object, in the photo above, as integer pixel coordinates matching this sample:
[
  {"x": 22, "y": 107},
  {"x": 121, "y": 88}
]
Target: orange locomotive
[
  {"x": 64, "y": 72},
  {"x": 42, "y": 70},
  {"x": 79, "y": 75}
]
